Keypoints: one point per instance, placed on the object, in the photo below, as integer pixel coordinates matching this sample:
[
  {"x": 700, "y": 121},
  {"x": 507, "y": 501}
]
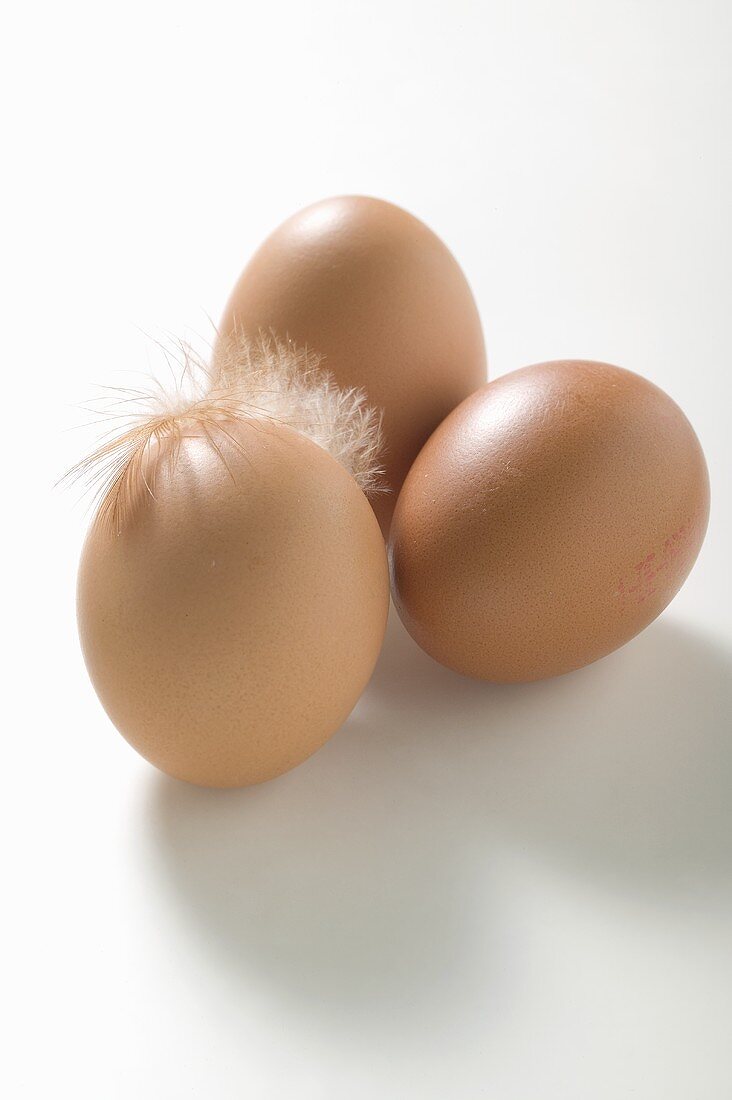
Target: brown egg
[
  {"x": 376, "y": 293},
  {"x": 231, "y": 623},
  {"x": 550, "y": 518}
]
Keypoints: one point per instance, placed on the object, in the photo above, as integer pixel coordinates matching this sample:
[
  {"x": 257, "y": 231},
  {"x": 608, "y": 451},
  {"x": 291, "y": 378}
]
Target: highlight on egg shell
[
  {"x": 549, "y": 519},
  {"x": 383, "y": 300},
  {"x": 233, "y": 588}
]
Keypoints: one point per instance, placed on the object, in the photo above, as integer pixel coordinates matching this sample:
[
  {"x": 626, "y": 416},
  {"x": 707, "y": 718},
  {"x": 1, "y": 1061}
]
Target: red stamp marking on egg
[{"x": 641, "y": 582}]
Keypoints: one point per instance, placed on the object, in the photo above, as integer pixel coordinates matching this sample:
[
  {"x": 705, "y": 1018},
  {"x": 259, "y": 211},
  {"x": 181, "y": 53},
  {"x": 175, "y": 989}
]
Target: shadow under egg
[{"x": 363, "y": 882}]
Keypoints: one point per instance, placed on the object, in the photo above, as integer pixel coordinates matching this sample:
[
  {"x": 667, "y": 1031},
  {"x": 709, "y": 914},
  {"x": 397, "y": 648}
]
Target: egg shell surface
[
  {"x": 378, "y": 295},
  {"x": 231, "y": 625},
  {"x": 549, "y": 519}
]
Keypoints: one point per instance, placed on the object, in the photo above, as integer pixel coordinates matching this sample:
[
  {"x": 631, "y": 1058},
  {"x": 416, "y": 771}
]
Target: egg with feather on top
[{"x": 233, "y": 587}]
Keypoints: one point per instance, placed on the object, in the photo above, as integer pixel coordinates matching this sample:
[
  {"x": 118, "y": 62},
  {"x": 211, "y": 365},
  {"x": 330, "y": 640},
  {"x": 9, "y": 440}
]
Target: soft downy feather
[{"x": 260, "y": 379}]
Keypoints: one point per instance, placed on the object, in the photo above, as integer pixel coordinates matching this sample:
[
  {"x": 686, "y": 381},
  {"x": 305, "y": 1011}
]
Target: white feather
[{"x": 264, "y": 378}]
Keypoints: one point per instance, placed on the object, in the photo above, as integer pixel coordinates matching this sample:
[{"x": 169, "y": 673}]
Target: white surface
[{"x": 510, "y": 893}]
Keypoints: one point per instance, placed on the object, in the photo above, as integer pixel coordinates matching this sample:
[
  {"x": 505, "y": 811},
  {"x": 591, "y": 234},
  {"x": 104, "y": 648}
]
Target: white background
[{"x": 510, "y": 893}]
